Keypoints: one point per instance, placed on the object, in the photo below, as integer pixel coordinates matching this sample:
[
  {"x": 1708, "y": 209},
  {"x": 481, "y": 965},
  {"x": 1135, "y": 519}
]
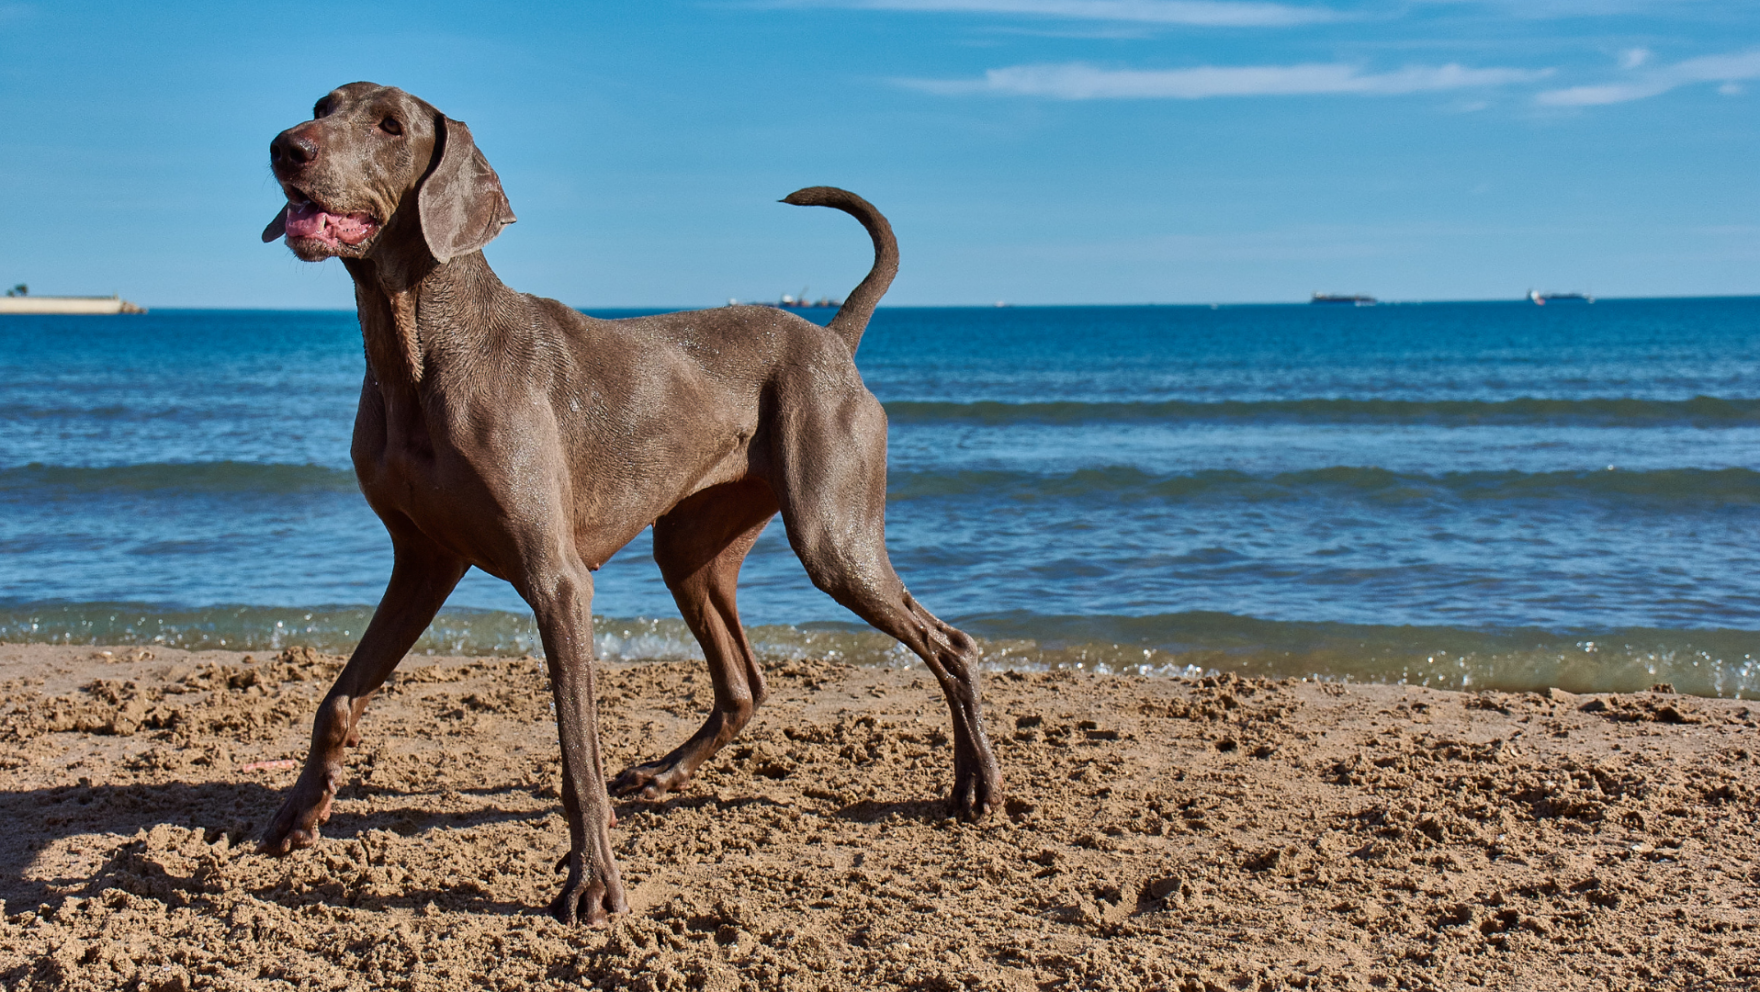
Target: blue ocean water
[{"x": 1463, "y": 494}]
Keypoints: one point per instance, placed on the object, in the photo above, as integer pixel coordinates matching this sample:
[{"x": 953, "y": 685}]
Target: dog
[{"x": 514, "y": 434}]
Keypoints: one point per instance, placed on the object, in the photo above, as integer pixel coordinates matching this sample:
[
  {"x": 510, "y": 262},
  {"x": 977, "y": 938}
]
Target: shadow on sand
[{"x": 231, "y": 811}]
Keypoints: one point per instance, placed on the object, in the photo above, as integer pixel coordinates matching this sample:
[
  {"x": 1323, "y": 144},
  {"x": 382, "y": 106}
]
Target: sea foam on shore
[{"x": 1698, "y": 662}]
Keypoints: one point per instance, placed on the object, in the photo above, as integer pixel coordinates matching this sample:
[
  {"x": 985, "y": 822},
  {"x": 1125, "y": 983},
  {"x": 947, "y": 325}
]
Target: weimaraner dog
[{"x": 512, "y": 433}]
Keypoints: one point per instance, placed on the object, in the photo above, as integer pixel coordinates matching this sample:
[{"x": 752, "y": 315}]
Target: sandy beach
[{"x": 1159, "y": 834}]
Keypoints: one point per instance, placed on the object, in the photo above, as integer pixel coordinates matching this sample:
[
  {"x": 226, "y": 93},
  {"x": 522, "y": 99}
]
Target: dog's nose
[{"x": 290, "y": 150}]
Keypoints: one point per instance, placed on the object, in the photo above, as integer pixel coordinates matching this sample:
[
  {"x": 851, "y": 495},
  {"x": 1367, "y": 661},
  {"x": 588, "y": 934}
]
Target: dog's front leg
[
  {"x": 562, "y": 603},
  {"x": 421, "y": 579}
]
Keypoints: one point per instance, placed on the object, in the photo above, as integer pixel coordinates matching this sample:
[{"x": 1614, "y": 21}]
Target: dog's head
[{"x": 373, "y": 157}]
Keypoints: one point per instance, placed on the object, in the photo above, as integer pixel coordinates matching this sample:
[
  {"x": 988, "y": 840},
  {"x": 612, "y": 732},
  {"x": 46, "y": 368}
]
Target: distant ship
[
  {"x": 19, "y": 300},
  {"x": 1353, "y": 300},
  {"x": 788, "y": 302},
  {"x": 801, "y": 303},
  {"x": 1540, "y": 299}
]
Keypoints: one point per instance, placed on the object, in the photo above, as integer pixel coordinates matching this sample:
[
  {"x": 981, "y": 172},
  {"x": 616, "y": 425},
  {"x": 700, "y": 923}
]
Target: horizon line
[{"x": 999, "y": 305}]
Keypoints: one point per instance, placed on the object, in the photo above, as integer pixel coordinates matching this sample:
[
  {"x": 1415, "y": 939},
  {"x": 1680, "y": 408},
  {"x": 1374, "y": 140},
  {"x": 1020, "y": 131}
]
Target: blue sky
[{"x": 1035, "y": 151}]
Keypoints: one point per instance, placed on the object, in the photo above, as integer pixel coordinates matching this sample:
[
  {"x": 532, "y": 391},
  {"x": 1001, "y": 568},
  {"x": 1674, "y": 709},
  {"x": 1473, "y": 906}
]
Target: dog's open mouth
[{"x": 305, "y": 219}]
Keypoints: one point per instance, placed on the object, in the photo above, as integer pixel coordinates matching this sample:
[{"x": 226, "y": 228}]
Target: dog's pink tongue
[
  {"x": 305, "y": 220},
  {"x": 352, "y": 229}
]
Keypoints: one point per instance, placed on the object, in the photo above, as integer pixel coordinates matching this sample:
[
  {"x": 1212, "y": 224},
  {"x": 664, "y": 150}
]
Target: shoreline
[
  {"x": 1705, "y": 662},
  {"x": 1158, "y": 833}
]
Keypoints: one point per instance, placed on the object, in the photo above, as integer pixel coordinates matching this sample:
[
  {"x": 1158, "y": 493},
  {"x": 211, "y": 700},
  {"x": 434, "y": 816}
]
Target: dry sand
[{"x": 1159, "y": 834}]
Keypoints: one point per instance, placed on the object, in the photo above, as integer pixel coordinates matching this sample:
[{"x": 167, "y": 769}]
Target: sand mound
[{"x": 1217, "y": 834}]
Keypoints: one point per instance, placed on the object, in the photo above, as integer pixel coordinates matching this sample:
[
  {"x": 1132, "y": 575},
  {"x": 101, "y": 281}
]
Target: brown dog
[{"x": 512, "y": 433}]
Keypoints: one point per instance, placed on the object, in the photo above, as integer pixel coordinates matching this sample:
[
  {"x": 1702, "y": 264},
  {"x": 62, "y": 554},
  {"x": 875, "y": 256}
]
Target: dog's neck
[{"x": 409, "y": 311}]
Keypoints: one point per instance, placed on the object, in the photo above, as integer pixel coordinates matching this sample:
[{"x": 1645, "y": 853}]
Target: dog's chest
[{"x": 406, "y": 465}]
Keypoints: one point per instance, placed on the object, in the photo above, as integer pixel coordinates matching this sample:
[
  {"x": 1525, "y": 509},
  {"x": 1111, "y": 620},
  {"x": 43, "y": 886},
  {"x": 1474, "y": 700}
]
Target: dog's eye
[
  {"x": 321, "y": 108},
  {"x": 390, "y": 126}
]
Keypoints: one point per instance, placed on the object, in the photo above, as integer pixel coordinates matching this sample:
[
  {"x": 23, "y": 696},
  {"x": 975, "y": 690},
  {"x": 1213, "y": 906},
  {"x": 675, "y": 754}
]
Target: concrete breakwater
[{"x": 68, "y": 305}]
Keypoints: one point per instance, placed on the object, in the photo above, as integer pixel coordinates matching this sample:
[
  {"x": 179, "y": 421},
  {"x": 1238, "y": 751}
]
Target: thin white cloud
[
  {"x": 1081, "y": 81},
  {"x": 1632, "y": 58},
  {"x": 1725, "y": 69},
  {"x": 1203, "y": 13}
]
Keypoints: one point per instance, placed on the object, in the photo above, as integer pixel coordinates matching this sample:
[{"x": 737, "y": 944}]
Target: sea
[{"x": 1485, "y": 495}]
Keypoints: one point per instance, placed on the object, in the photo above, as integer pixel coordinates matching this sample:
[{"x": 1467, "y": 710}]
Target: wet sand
[{"x": 1159, "y": 834}]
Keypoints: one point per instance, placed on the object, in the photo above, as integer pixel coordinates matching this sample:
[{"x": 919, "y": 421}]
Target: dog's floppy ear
[
  {"x": 277, "y": 228},
  {"x": 461, "y": 202}
]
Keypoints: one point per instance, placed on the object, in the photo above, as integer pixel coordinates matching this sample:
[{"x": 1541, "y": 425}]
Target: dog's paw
[
  {"x": 588, "y": 901},
  {"x": 286, "y": 842},
  {"x": 288, "y": 833},
  {"x": 976, "y": 791},
  {"x": 650, "y": 782},
  {"x": 967, "y": 807},
  {"x": 296, "y": 824}
]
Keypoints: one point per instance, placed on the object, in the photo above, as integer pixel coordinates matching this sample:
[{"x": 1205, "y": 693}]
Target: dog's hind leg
[
  {"x": 421, "y": 579},
  {"x": 833, "y": 495},
  {"x": 699, "y": 546}
]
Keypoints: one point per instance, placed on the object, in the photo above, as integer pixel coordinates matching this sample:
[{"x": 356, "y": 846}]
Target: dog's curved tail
[{"x": 852, "y": 317}]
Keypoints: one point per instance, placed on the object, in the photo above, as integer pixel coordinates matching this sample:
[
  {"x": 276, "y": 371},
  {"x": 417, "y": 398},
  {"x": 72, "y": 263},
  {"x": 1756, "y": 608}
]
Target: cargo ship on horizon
[
  {"x": 1540, "y": 299},
  {"x": 788, "y": 302}
]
